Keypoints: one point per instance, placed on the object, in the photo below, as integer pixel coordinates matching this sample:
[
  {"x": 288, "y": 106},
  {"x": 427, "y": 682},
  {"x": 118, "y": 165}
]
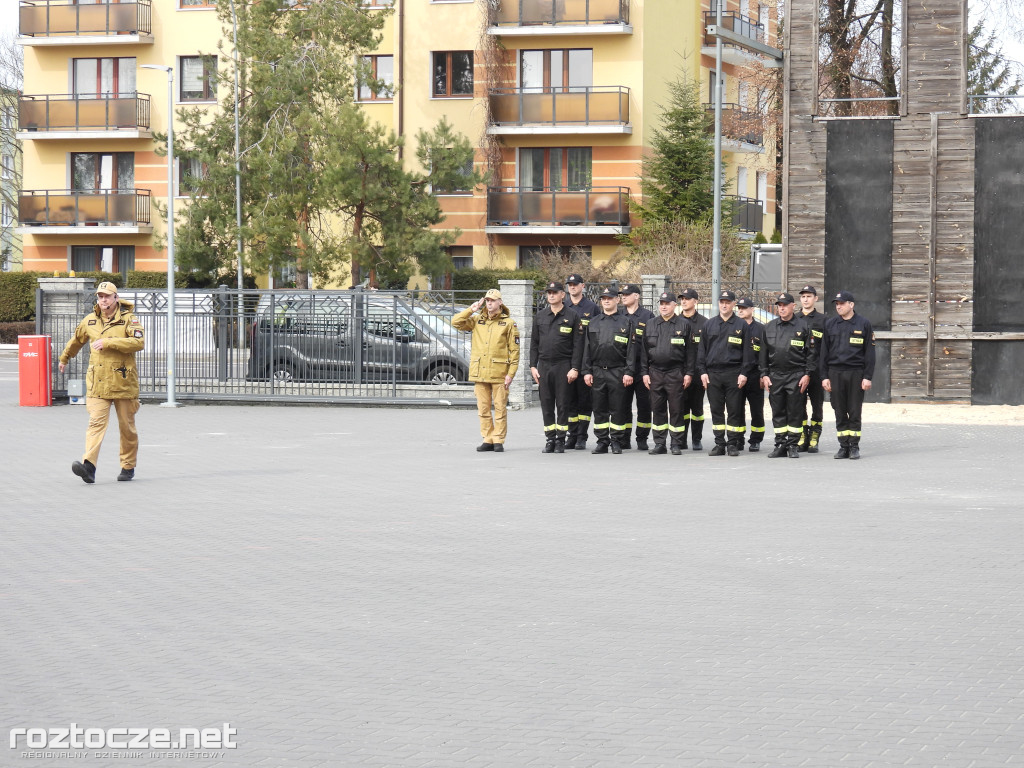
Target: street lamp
[{"x": 170, "y": 231}]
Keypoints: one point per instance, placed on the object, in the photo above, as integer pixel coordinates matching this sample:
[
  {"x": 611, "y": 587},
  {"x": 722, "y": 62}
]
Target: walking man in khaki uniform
[
  {"x": 114, "y": 336},
  {"x": 494, "y": 360}
]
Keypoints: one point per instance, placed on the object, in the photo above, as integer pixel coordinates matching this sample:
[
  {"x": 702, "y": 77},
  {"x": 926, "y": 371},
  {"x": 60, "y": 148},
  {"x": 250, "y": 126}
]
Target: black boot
[
  {"x": 85, "y": 470},
  {"x": 794, "y": 452},
  {"x": 570, "y": 441},
  {"x": 642, "y": 444},
  {"x": 549, "y": 446},
  {"x": 718, "y": 450},
  {"x": 803, "y": 443},
  {"x": 126, "y": 474},
  {"x": 485, "y": 447},
  {"x": 581, "y": 443},
  {"x": 659, "y": 449},
  {"x": 616, "y": 447},
  {"x": 601, "y": 447},
  {"x": 778, "y": 451},
  {"x": 815, "y": 438},
  {"x": 560, "y": 444},
  {"x": 843, "y": 452},
  {"x": 677, "y": 450},
  {"x": 754, "y": 447},
  {"x": 855, "y": 451}
]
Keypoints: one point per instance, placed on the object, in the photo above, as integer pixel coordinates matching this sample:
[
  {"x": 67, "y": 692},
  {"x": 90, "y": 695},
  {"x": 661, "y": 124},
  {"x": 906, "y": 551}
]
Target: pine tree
[{"x": 989, "y": 73}]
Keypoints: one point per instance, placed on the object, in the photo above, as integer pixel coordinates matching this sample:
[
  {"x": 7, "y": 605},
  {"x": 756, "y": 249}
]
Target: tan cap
[
  {"x": 494, "y": 293},
  {"x": 107, "y": 288}
]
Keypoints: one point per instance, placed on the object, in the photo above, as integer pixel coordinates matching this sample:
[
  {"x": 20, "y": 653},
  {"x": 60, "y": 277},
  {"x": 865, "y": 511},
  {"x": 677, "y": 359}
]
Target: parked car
[{"x": 306, "y": 336}]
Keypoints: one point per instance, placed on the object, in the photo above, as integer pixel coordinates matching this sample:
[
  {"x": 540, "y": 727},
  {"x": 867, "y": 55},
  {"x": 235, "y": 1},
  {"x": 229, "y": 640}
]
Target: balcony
[
  {"x": 747, "y": 212},
  {"x": 527, "y": 211},
  {"x": 741, "y": 25},
  {"x": 742, "y": 129},
  {"x": 559, "y": 17},
  {"x": 83, "y": 117},
  {"x": 66, "y": 22},
  {"x": 69, "y": 211},
  {"x": 546, "y": 111}
]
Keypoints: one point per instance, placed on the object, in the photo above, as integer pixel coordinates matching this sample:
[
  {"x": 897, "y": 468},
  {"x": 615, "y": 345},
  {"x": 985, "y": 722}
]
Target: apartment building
[{"x": 561, "y": 98}]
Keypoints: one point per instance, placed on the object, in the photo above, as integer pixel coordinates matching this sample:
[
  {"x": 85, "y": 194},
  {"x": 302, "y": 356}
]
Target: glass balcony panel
[
  {"x": 600, "y": 206},
  {"x": 570, "y": 12},
  {"x": 553, "y": 107},
  {"x": 72, "y": 113},
  {"x": 72, "y": 208},
  {"x": 65, "y": 18}
]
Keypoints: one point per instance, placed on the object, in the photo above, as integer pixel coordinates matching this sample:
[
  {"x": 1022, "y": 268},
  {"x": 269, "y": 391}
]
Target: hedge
[
  {"x": 482, "y": 279},
  {"x": 9, "y": 332}
]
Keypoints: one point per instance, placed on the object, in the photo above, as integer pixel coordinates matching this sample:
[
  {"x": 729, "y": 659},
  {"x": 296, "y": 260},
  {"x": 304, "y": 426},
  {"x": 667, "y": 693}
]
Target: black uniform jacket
[
  {"x": 557, "y": 338},
  {"x": 847, "y": 345},
  {"x": 724, "y": 344},
  {"x": 816, "y": 324},
  {"x": 786, "y": 348},
  {"x": 639, "y": 320},
  {"x": 608, "y": 343},
  {"x": 756, "y": 331},
  {"x": 587, "y": 309},
  {"x": 668, "y": 345}
]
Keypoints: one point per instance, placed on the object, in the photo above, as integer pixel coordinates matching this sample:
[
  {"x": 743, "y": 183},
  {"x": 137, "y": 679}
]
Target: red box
[{"x": 34, "y": 370}]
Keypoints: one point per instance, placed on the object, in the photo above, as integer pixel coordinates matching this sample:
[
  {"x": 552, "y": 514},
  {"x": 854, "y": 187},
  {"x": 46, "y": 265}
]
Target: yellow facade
[{"x": 562, "y": 108}]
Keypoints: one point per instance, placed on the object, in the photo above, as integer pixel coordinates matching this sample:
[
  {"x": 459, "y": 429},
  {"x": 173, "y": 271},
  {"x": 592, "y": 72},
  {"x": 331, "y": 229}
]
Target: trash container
[{"x": 34, "y": 387}]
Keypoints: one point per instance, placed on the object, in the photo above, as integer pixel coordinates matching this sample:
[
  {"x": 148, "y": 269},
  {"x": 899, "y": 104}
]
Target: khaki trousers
[
  {"x": 488, "y": 395},
  {"x": 99, "y": 415}
]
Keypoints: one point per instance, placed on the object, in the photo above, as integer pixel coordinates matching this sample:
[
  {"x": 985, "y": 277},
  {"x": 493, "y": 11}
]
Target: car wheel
[
  {"x": 284, "y": 371},
  {"x": 445, "y": 374}
]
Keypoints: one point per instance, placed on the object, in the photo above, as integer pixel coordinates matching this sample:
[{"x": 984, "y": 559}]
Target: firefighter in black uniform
[
  {"x": 723, "y": 354},
  {"x": 846, "y": 364},
  {"x": 667, "y": 361},
  {"x": 609, "y": 366},
  {"x": 811, "y": 434},
  {"x": 639, "y": 316},
  {"x": 556, "y": 356},
  {"x": 693, "y": 397},
  {"x": 753, "y": 394},
  {"x": 579, "y": 394},
  {"x": 786, "y": 361}
]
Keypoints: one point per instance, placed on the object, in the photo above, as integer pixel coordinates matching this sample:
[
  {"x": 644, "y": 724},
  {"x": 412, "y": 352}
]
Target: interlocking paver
[{"x": 358, "y": 587}]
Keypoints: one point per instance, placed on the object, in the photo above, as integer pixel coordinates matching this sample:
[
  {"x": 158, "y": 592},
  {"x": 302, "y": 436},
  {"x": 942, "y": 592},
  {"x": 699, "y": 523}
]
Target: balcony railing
[
  {"x": 523, "y": 206},
  {"x": 75, "y": 208},
  {"x": 560, "y": 106},
  {"x": 524, "y": 13},
  {"x": 734, "y": 22},
  {"x": 41, "y": 18},
  {"x": 738, "y": 123},
  {"x": 70, "y": 112},
  {"x": 747, "y": 212}
]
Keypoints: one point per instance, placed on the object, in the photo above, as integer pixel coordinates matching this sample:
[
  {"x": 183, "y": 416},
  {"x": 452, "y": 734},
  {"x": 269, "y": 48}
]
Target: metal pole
[
  {"x": 238, "y": 182},
  {"x": 716, "y": 248}
]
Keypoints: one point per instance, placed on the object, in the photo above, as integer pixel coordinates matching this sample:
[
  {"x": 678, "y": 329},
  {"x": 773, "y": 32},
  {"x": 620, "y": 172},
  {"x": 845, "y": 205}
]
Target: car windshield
[{"x": 440, "y": 325}]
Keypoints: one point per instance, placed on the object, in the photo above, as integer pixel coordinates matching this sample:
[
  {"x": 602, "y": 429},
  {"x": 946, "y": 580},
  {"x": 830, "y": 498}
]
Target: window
[
  {"x": 95, "y": 171},
  {"x": 377, "y": 3},
  {"x": 103, "y": 258},
  {"x": 462, "y": 256},
  {"x": 453, "y": 73},
  {"x": 7, "y": 165},
  {"x": 458, "y": 188},
  {"x": 191, "y": 171},
  {"x": 542, "y": 169},
  {"x": 534, "y": 255},
  {"x": 6, "y": 216},
  {"x": 198, "y": 78},
  {"x": 103, "y": 77},
  {"x": 377, "y": 83},
  {"x": 8, "y": 118},
  {"x": 197, "y": 3},
  {"x": 559, "y": 70}
]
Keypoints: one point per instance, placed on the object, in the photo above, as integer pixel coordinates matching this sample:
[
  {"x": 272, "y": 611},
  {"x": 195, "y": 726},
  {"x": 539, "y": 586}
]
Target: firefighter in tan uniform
[
  {"x": 114, "y": 336},
  {"x": 494, "y": 360}
]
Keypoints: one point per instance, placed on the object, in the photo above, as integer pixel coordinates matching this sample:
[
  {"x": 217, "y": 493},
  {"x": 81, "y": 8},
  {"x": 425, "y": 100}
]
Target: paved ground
[{"x": 358, "y": 587}]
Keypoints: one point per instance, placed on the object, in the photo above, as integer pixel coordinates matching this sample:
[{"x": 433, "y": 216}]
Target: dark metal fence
[
  {"x": 764, "y": 297},
  {"x": 287, "y": 345}
]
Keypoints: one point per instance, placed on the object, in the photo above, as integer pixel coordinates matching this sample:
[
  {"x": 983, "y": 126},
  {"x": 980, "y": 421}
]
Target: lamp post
[
  {"x": 716, "y": 247},
  {"x": 170, "y": 403}
]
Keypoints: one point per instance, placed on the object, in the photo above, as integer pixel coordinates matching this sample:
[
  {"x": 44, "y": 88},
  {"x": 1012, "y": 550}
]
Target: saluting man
[
  {"x": 114, "y": 335},
  {"x": 493, "y": 362},
  {"x": 847, "y": 364}
]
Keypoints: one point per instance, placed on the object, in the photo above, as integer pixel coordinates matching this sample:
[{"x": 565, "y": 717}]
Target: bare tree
[{"x": 11, "y": 79}]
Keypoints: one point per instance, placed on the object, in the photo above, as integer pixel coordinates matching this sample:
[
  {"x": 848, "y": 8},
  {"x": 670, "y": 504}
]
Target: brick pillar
[{"x": 517, "y": 295}]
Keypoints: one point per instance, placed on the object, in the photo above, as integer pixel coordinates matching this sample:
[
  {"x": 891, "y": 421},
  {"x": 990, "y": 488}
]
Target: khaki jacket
[
  {"x": 112, "y": 374},
  {"x": 495, "y": 350}
]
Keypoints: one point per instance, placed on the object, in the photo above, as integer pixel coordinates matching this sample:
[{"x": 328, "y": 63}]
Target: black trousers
[
  {"x": 787, "y": 403},
  {"x": 754, "y": 396},
  {"x": 611, "y": 407},
  {"x": 814, "y": 395},
  {"x": 580, "y": 406},
  {"x": 667, "y": 405},
  {"x": 693, "y": 410},
  {"x": 724, "y": 394},
  {"x": 847, "y": 402},
  {"x": 554, "y": 397},
  {"x": 643, "y": 408}
]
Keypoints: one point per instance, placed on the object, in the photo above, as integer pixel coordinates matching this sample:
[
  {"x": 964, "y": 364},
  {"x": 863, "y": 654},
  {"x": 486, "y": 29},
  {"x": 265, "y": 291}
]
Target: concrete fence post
[{"x": 517, "y": 295}]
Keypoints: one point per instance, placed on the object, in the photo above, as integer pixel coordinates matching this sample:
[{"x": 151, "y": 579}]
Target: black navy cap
[
  {"x": 554, "y": 286},
  {"x": 689, "y": 293},
  {"x": 574, "y": 278},
  {"x": 843, "y": 296},
  {"x": 630, "y": 288},
  {"x": 666, "y": 298},
  {"x": 727, "y": 296},
  {"x": 746, "y": 303},
  {"x": 609, "y": 293},
  {"x": 809, "y": 289},
  {"x": 784, "y": 298}
]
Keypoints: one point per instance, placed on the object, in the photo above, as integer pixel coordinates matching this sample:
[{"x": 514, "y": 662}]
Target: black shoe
[
  {"x": 570, "y": 442},
  {"x": 803, "y": 448},
  {"x": 85, "y": 470},
  {"x": 581, "y": 445},
  {"x": 559, "y": 446},
  {"x": 616, "y": 448},
  {"x": 718, "y": 450},
  {"x": 754, "y": 447},
  {"x": 684, "y": 446},
  {"x": 126, "y": 474},
  {"x": 485, "y": 447},
  {"x": 624, "y": 445},
  {"x": 549, "y": 447},
  {"x": 854, "y": 451},
  {"x": 697, "y": 445},
  {"x": 843, "y": 452},
  {"x": 659, "y": 450},
  {"x": 812, "y": 449},
  {"x": 601, "y": 448},
  {"x": 641, "y": 444},
  {"x": 794, "y": 452},
  {"x": 499, "y": 448},
  {"x": 677, "y": 450},
  {"x": 732, "y": 450},
  {"x": 778, "y": 452}
]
